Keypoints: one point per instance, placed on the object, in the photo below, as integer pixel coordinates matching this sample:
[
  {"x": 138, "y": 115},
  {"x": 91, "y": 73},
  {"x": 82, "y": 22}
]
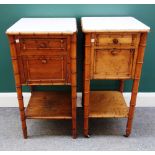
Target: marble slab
[
  {"x": 43, "y": 26},
  {"x": 113, "y": 24}
]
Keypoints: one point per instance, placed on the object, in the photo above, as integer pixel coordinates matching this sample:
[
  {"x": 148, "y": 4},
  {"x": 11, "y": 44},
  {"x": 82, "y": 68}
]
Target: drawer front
[
  {"x": 113, "y": 63},
  {"x": 43, "y": 69},
  {"x": 116, "y": 39},
  {"x": 43, "y": 44}
]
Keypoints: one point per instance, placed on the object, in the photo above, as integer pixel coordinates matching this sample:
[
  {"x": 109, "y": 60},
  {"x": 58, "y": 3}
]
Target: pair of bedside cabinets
[{"x": 43, "y": 52}]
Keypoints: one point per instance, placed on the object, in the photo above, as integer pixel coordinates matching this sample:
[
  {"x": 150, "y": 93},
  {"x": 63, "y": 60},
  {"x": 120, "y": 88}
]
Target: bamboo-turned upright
[
  {"x": 138, "y": 69},
  {"x": 113, "y": 51},
  {"x": 18, "y": 84},
  {"x": 44, "y": 53},
  {"x": 73, "y": 84},
  {"x": 121, "y": 86},
  {"x": 86, "y": 88}
]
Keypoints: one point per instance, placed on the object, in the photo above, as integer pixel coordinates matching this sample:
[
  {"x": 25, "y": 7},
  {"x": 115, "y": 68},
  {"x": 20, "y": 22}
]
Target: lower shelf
[
  {"x": 49, "y": 105},
  {"x": 107, "y": 104}
]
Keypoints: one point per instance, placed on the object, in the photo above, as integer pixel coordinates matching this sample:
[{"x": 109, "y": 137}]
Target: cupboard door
[
  {"x": 113, "y": 63},
  {"x": 43, "y": 69}
]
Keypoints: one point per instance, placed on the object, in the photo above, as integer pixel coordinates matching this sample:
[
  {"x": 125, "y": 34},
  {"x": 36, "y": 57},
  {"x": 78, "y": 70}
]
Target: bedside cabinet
[
  {"x": 114, "y": 50},
  {"x": 43, "y": 52}
]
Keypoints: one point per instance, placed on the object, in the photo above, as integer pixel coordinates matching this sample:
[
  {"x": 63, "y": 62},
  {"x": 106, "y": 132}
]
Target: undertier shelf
[
  {"x": 107, "y": 104},
  {"x": 49, "y": 105}
]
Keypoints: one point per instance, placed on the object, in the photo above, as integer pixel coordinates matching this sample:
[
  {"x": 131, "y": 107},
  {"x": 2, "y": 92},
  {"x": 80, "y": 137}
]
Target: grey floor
[{"x": 106, "y": 134}]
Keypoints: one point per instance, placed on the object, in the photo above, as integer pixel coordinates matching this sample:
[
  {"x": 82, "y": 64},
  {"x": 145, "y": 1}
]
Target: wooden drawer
[
  {"x": 43, "y": 69},
  {"x": 113, "y": 63},
  {"x": 116, "y": 39},
  {"x": 43, "y": 44}
]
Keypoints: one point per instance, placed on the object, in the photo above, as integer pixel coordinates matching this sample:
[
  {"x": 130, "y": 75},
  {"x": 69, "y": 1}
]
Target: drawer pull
[
  {"x": 114, "y": 52},
  {"x": 44, "y": 61},
  {"x": 42, "y": 45},
  {"x": 115, "y": 41}
]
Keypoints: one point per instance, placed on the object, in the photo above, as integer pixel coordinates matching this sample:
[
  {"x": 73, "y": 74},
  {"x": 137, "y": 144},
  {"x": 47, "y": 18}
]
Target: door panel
[
  {"x": 45, "y": 69},
  {"x": 113, "y": 63}
]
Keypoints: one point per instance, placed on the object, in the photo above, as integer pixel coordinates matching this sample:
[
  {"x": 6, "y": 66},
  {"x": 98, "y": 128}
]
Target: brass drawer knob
[
  {"x": 44, "y": 61},
  {"x": 115, "y": 41}
]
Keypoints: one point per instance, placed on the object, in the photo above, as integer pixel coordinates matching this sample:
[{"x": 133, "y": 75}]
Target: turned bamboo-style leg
[
  {"x": 18, "y": 85},
  {"x": 121, "y": 86},
  {"x": 73, "y": 84},
  {"x": 83, "y": 76},
  {"x": 135, "y": 86},
  {"x": 21, "y": 108},
  {"x": 31, "y": 88},
  {"x": 83, "y": 87},
  {"x": 86, "y": 95},
  {"x": 86, "y": 91}
]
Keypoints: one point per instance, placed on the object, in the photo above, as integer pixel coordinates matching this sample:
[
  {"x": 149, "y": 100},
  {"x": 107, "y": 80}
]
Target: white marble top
[
  {"x": 43, "y": 26},
  {"x": 113, "y": 24}
]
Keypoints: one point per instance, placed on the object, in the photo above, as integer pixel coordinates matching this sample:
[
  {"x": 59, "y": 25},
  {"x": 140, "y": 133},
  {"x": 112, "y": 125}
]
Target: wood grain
[
  {"x": 107, "y": 104},
  {"x": 49, "y": 105},
  {"x": 114, "y": 39},
  {"x": 113, "y": 63}
]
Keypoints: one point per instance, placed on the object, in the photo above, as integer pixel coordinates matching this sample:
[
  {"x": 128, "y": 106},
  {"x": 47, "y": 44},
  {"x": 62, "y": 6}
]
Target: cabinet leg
[
  {"x": 22, "y": 112},
  {"x": 86, "y": 83},
  {"x": 86, "y": 132},
  {"x": 86, "y": 95},
  {"x": 31, "y": 88},
  {"x": 121, "y": 86},
  {"x": 132, "y": 107},
  {"x": 85, "y": 101},
  {"x": 135, "y": 86},
  {"x": 86, "y": 114},
  {"x": 82, "y": 101},
  {"x": 74, "y": 130},
  {"x": 18, "y": 85},
  {"x": 73, "y": 84},
  {"x": 74, "y": 133},
  {"x": 24, "y": 130}
]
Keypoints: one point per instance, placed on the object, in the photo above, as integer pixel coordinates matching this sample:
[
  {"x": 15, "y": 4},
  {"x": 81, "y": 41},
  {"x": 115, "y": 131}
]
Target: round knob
[{"x": 115, "y": 41}]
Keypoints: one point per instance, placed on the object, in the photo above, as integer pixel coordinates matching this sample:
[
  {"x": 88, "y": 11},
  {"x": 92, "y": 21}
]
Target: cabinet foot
[
  {"x": 87, "y": 136},
  {"x": 127, "y": 134},
  {"x": 25, "y": 134},
  {"x": 74, "y": 134}
]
